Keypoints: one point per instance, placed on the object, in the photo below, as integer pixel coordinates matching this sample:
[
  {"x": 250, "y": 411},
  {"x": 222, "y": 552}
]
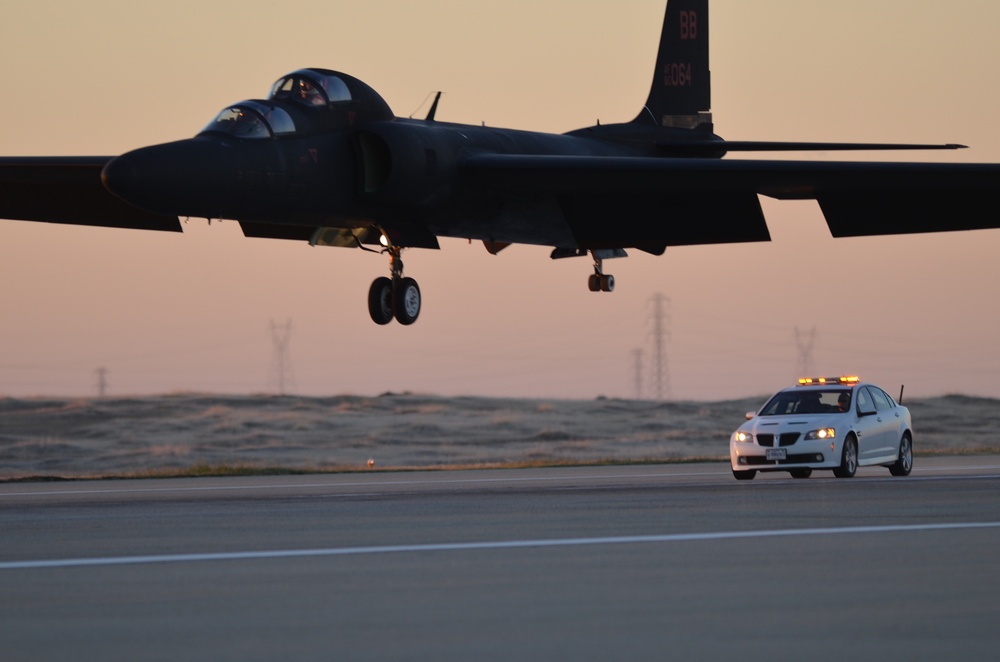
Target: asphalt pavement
[{"x": 595, "y": 563}]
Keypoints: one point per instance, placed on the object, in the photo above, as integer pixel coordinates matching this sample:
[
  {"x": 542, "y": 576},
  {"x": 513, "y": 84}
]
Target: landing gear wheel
[
  {"x": 744, "y": 475},
  {"x": 406, "y": 301},
  {"x": 848, "y": 459},
  {"x": 395, "y": 297},
  {"x": 801, "y": 473},
  {"x": 380, "y": 300},
  {"x": 904, "y": 463},
  {"x": 600, "y": 281}
]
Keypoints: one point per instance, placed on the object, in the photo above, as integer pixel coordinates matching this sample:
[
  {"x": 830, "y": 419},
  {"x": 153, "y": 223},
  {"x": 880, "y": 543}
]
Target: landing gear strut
[
  {"x": 599, "y": 281},
  {"x": 395, "y": 297}
]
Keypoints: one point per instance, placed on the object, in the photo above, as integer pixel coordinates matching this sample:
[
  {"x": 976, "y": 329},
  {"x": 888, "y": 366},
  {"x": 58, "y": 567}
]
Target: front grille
[
  {"x": 788, "y": 438},
  {"x": 785, "y": 439}
]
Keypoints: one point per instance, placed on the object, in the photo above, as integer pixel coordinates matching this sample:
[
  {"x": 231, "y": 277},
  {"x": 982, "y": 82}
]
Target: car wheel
[
  {"x": 848, "y": 459},
  {"x": 744, "y": 475},
  {"x": 801, "y": 473},
  {"x": 904, "y": 463}
]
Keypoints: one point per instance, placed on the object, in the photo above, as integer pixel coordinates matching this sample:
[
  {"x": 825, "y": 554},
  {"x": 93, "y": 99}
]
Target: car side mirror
[{"x": 751, "y": 415}]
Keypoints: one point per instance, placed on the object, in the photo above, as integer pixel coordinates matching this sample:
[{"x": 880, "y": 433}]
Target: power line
[
  {"x": 659, "y": 334},
  {"x": 805, "y": 342},
  {"x": 637, "y": 369},
  {"x": 281, "y": 376},
  {"x": 102, "y": 382}
]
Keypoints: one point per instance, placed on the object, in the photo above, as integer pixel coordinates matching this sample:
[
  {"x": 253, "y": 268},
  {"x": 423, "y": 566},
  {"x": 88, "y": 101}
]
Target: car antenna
[{"x": 901, "y": 387}]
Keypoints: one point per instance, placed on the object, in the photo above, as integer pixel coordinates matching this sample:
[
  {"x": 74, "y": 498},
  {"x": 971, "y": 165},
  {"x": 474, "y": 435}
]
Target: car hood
[{"x": 793, "y": 423}]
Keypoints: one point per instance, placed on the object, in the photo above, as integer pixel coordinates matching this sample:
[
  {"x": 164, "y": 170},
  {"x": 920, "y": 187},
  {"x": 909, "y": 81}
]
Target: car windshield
[{"x": 808, "y": 401}]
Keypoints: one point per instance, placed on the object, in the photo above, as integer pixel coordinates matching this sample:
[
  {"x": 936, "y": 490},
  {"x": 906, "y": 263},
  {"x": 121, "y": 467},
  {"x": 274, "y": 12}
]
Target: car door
[
  {"x": 868, "y": 426},
  {"x": 882, "y": 443},
  {"x": 888, "y": 416}
]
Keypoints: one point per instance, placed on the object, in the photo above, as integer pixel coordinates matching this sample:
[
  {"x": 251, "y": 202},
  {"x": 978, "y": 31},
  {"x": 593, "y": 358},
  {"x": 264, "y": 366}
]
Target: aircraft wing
[
  {"x": 717, "y": 198},
  {"x": 69, "y": 190},
  {"x": 649, "y": 203}
]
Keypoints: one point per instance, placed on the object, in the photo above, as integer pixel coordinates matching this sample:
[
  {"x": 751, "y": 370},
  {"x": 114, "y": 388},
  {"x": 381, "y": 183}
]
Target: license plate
[{"x": 777, "y": 453}]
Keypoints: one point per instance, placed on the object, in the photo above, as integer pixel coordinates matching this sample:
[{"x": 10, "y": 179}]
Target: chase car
[{"x": 837, "y": 423}]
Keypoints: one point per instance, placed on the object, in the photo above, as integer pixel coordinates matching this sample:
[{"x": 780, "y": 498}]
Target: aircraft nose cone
[
  {"x": 162, "y": 178},
  {"x": 174, "y": 178},
  {"x": 119, "y": 177}
]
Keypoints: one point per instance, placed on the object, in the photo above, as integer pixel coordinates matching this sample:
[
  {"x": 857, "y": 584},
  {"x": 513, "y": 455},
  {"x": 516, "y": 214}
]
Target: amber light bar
[{"x": 844, "y": 379}]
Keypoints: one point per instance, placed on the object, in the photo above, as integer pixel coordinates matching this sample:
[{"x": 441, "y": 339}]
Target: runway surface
[{"x": 642, "y": 562}]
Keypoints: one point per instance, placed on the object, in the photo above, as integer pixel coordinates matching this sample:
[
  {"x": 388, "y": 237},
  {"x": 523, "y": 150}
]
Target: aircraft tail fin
[{"x": 681, "y": 93}]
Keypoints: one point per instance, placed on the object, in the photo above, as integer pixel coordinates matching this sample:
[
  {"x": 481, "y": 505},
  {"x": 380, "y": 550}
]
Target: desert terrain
[{"x": 198, "y": 433}]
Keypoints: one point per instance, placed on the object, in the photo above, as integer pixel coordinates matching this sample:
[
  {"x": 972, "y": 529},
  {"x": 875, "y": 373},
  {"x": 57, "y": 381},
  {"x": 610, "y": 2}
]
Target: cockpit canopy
[
  {"x": 304, "y": 102},
  {"x": 252, "y": 120},
  {"x": 311, "y": 88}
]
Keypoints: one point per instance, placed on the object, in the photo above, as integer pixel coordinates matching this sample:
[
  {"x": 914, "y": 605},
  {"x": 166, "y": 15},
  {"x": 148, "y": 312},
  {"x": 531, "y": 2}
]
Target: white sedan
[{"x": 834, "y": 423}]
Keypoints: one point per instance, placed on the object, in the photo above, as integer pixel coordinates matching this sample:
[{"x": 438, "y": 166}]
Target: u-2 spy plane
[{"x": 324, "y": 160}]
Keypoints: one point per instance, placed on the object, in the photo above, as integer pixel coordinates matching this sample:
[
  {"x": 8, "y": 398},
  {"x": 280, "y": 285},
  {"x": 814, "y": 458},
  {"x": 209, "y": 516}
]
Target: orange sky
[{"x": 192, "y": 312}]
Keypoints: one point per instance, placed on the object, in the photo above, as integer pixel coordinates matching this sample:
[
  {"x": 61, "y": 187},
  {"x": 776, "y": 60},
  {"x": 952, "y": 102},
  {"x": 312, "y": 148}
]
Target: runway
[{"x": 648, "y": 562}]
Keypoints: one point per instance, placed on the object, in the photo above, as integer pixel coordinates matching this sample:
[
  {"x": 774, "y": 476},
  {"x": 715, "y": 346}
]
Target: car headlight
[
  {"x": 741, "y": 437},
  {"x": 822, "y": 433}
]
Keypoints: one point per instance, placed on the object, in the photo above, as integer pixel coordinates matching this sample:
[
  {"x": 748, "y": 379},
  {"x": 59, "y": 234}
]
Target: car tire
[
  {"x": 744, "y": 475},
  {"x": 848, "y": 458},
  {"x": 904, "y": 462},
  {"x": 801, "y": 473}
]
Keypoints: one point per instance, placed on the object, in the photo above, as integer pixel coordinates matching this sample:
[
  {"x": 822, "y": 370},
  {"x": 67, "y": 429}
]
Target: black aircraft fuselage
[
  {"x": 353, "y": 165},
  {"x": 324, "y": 160}
]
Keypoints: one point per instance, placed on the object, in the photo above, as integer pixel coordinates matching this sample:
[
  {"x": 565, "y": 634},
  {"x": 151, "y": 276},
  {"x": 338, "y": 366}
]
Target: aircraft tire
[
  {"x": 607, "y": 283},
  {"x": 406, "y": 301},
  {"x": 380, "y": 300},
  {"x": 594, "y": 283}
]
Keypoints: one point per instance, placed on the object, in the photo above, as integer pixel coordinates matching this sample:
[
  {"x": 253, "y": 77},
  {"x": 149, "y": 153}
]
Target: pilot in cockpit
[{"x": 309, "y": 95}]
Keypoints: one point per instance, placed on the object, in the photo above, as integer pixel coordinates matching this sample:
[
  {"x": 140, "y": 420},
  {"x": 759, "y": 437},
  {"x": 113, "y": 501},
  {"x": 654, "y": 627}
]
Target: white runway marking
[{"x": 489, "y": 545}]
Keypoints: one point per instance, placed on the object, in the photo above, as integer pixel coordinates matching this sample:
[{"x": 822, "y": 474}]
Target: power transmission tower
[
  {"x": 102, "y": 381},
  {"x": 637, "y": 368},
  {"x": 805, "y": 342},
  {"x": 281, "y": 362},
  {"x": 659, "y": 334}
]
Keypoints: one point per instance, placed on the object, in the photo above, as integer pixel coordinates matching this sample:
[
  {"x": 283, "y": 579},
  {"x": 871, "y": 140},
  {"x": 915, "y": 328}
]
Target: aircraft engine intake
[{"x": 402, "y": 164}]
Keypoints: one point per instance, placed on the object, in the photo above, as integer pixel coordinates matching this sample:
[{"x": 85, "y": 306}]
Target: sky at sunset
[{"x": 192, "y": 312}]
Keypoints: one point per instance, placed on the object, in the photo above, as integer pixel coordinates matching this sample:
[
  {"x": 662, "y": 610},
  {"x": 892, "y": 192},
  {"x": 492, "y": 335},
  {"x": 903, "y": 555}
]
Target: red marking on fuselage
[
  {"x": 689, "y": 25},
  {"x": 677, "y": 74}
]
